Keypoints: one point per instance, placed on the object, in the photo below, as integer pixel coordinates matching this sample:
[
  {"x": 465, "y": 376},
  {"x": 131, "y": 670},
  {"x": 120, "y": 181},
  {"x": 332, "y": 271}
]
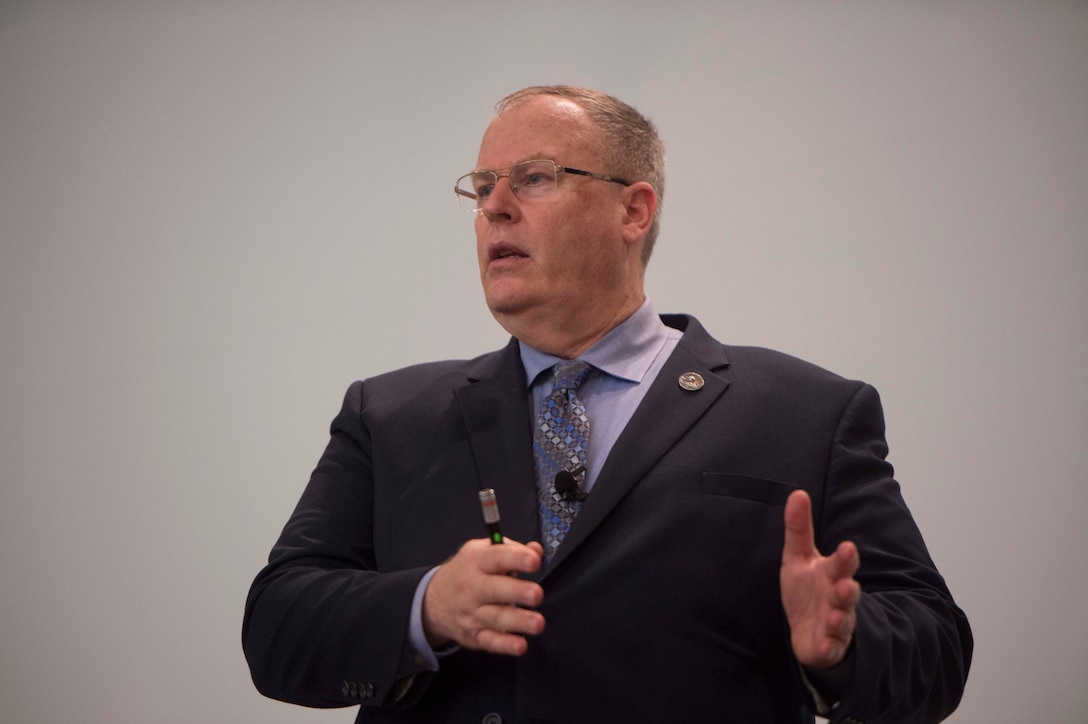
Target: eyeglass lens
[{"x": 529, "y": 180}]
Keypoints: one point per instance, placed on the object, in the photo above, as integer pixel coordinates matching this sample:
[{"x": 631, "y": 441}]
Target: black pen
[{"x": 490, "y": 508}]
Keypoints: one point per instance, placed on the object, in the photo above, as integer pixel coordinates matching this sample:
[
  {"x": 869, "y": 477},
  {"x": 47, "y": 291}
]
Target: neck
[{"x": 569, "y": 337}]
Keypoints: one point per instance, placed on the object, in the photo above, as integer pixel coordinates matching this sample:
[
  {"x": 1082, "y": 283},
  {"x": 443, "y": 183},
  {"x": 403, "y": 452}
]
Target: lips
[{"x": 504, "y": 250}]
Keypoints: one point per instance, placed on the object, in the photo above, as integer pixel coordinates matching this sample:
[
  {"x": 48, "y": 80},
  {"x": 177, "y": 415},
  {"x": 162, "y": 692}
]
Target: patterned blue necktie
[{"x": 560, "y": 442}]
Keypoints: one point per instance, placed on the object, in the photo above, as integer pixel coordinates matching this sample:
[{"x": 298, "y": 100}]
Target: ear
[{"x": 640, "y": 205}]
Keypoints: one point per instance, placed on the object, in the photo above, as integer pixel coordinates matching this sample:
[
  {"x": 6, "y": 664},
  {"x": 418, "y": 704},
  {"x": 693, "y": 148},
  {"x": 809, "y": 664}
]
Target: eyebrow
[{"x": 534, "y": 157}]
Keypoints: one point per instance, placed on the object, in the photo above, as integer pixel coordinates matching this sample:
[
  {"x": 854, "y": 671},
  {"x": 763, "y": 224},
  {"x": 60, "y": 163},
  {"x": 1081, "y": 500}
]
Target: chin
[
  {"x": 504, "y": 306},
  {"x": 504, "y": 298}
]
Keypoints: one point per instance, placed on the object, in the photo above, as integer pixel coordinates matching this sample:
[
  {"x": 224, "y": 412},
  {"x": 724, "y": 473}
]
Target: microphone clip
[{"x": 567, "y": 486}]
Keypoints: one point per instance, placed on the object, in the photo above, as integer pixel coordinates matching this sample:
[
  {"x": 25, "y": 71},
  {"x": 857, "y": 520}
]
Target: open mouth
[{"x": 502, "y": 250}]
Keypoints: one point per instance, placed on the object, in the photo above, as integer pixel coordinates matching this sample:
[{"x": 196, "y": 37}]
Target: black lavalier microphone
[{"x": 567, "y": 486}]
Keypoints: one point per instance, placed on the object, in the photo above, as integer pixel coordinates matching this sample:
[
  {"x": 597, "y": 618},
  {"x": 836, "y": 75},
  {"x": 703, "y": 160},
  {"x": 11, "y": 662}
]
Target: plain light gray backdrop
[{"x": 216, "y": 215}]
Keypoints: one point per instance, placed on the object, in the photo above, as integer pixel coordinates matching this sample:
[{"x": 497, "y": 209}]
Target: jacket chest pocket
[{"x": 746, "y": 487}]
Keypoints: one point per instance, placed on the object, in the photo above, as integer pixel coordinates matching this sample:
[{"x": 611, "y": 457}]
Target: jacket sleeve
[
  {"x": 323, "y": 627},
  {"x": 912, "y": 642}
]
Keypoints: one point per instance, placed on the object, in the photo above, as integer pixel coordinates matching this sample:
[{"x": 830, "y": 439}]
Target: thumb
[{"x": 800, "y": 540}]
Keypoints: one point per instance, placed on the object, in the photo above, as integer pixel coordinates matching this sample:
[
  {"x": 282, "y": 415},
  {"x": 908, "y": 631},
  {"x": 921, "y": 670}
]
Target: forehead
[{"x": 541, "y": 127}]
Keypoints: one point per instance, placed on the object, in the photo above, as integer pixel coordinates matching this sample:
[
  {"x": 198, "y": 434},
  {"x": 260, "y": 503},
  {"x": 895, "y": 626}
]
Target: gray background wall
[{"x": 215, "y": 215}]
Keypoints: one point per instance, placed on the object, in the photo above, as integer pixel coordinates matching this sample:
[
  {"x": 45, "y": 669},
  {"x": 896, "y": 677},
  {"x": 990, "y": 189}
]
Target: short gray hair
[{"x": 633, "y": 149}]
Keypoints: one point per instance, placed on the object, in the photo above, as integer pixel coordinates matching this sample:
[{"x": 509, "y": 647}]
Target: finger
[
  {"x": 511, "y": 557},
  {"x": 845, "y": 594},
  {"x": 840, "y": 622},
  {"x": 511, "y": 619},
  {"x": 845, "y": 561},
  {"x": 498, "y": 642},
  {"x": 836, "y": 622},
  {"x": 800, "y": 540},
  {"x": 504, "y": 642},
  {"x": 507, "y": 590},
  {"x": 506, "y": 629}
]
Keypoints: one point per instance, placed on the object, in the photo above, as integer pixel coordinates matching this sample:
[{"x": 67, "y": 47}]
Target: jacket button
[{"x": 492, "y": 718}]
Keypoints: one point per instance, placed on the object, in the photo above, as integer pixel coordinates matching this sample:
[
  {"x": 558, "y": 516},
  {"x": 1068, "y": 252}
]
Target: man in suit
[{"x": 729, "y": 543}]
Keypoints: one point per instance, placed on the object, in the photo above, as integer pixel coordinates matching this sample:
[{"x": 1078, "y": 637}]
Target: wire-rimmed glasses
[{"x": 530, "y": 180}]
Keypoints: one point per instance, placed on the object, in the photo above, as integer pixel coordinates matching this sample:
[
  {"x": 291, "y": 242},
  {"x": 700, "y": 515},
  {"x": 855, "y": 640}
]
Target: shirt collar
[{"x": 626, "y": 352}]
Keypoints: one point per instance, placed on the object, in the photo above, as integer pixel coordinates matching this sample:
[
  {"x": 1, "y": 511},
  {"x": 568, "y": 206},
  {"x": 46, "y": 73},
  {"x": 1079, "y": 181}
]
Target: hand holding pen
[{"x": 473, "y": 600}]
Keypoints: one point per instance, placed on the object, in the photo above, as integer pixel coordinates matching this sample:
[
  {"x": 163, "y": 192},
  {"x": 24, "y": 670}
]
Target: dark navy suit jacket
[{"x": 663, "y": 602}]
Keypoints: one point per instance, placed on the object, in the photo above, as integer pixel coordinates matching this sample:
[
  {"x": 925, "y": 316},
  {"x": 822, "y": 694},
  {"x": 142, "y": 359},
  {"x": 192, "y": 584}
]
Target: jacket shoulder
[
  {"x": 427, "y": 383},
  {"x": 751, "y": 362}
]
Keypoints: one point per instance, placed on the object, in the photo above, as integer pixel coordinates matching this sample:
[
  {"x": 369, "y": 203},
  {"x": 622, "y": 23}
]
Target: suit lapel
[
  {"x": 663, "y": 416},
  {"x": 495, "y": 407}
]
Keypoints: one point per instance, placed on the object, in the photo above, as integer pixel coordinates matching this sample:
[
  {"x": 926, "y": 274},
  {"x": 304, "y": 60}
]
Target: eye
[
  {"x": 483, "y": 184},
  {"x": 533, "y": 175}
]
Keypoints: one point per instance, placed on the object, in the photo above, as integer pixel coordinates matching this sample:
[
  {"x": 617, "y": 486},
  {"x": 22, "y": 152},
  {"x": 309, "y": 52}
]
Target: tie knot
[{"x": 570, "y": 375}]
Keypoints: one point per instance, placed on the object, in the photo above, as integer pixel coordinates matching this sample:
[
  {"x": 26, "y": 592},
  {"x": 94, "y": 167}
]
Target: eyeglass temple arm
[{"x": 601, "y": 176}]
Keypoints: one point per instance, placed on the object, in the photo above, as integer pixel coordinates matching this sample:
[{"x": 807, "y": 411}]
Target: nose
[{"x": 501, "y": 203}]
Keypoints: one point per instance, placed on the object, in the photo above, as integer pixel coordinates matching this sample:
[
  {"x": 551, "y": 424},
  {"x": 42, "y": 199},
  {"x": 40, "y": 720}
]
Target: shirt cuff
[
  {"x": 828, "y": 686},
  {"x": 418, "y": 654}
]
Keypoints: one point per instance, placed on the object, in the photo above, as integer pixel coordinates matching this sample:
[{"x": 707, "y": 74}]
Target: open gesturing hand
[{"x": 819, "y": 593}]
